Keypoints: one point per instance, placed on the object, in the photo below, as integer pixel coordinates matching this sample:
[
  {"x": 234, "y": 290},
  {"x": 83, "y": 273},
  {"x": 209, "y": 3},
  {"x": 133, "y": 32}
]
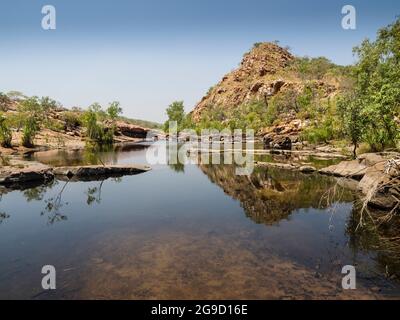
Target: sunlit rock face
[{"x": 263, "y": 73}]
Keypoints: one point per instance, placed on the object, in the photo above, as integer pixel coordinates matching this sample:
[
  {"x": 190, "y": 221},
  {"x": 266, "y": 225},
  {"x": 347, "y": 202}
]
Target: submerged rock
[
  {"x": 95, "y": 171},
  {"x": 29, "y": 173},
  {"x": 34, "y": 173}
]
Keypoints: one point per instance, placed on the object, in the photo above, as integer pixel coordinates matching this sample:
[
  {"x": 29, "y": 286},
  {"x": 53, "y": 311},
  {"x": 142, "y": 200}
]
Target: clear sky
[{"x": 149, "y": 53}]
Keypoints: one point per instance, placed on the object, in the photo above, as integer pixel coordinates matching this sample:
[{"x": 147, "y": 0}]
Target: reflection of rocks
[
  {"x": 271, "y": 194},
  {"x": 86, "y": 156}
]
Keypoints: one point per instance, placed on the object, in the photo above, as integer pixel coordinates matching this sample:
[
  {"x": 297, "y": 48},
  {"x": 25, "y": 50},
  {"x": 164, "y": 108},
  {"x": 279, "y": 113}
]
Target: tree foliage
[
  {"x": 176, "y": 112},
  {"x": 5, "y": 133},
  {"x": 373, "y": 110}
]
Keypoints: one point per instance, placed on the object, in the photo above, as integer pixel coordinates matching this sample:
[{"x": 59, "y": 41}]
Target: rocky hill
[
  {"x": 251, "y": 80},
  {"x": 269, "y": 71}
]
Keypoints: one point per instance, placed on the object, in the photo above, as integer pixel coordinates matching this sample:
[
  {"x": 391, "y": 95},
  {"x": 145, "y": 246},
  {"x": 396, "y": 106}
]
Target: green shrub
[
  {"x": 95, "y": 131},
  {"x": 114, "y": 110},
  {"x": 5, "y": 133},
  {"x": 316, "y": 135},
  {"x": 321, "y": 131},
  {"x": 53, "y": 125},
  {"x": 71, "y": 120},
  {"x": 29, "y": 132},
  {"x": 5, "y": 101},
  {"x": 16, "y": 120}
]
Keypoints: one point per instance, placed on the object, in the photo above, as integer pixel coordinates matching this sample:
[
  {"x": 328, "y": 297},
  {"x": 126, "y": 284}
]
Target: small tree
[
  {"x": 47, "y": 103},
  {"x": 351, "y": 112},
  {"x": 175, "y": 112},
  {"x": 5, "y": 101},
  {"x": 378, "y": 85},
  {"x": 5, "y": 133},
  {"x": 34, "y": 114},
  {"x": 114, "y": 110},
  {"x": 29, "y": 132},
  {"x": 95, "y": 130},
  {"x": 16, "y": 95}
]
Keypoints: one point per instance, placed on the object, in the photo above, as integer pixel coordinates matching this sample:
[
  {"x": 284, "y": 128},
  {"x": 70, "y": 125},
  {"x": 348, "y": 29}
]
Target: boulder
[
  {"x": 373, "y": 176},
  {"x": 370, "y": 159},
  {"x": 131, "y": 130},
  {"x": 354, "y": 169},
  {"x": 307, "y": 169},
  {"x": 375, "y": 180},
  {"x": 277, "y": 142},
  {"x": 380, "y": 186}
]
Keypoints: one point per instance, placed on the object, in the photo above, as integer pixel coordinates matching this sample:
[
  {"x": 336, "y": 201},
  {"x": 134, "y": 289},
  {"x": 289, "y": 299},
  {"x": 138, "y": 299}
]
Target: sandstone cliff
[{"x": 268, "y": 71}]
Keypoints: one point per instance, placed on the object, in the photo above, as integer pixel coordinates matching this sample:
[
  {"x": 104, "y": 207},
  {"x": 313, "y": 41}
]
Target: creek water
[{"x": 188, "y": 232}]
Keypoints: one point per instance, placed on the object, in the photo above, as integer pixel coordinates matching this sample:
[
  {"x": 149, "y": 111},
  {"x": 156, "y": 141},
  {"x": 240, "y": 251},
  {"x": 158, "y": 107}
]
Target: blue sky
[{"x": 147, "y": 54}]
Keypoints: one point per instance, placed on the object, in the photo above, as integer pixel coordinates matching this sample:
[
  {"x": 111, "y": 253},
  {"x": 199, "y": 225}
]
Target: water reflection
[
  {"x": 382, "y": 240},
  {"x": 87, "y": 156},
  {"x": 270, "y": 194},
  {"x": 3, "y": 217},
  {"x": 55, "y": 204},
  {"x": 195, "y": 231}
]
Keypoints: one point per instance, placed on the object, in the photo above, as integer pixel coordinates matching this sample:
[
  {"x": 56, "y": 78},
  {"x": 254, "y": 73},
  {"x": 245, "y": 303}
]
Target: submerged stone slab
[
  {"x": 27, "y": 173},
  {"x": 33, "y": 173},
  {"x": 354, "y": 169},
  {"x": 95, "y": 171}
]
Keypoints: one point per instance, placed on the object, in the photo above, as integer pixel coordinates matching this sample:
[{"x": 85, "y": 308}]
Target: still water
[{"x": 187, "y": 232}]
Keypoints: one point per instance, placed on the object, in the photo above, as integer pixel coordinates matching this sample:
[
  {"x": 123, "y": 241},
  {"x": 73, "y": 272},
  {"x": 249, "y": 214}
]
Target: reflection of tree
[
  {"x": 269, "y": 195},
  {"x": 53, "y": 206},
  {"x": 91, "y": 155},
  {"x": 94, "y": 194},
  {"x": 96, "y": 155},
  {"x": 33, "y": 190},
  {"x": 178, "y": 167},
  {"x": 37, "y": 193},
  {"x": 3, "y": 217},
  {"x": 382, "y": 239}
]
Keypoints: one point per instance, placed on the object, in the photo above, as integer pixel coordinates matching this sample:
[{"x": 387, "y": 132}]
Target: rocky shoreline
[
  {"x": 378, "y": 177},
  {"x": 19, "y": 173},
  {"x": 375, "y": 176}
]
